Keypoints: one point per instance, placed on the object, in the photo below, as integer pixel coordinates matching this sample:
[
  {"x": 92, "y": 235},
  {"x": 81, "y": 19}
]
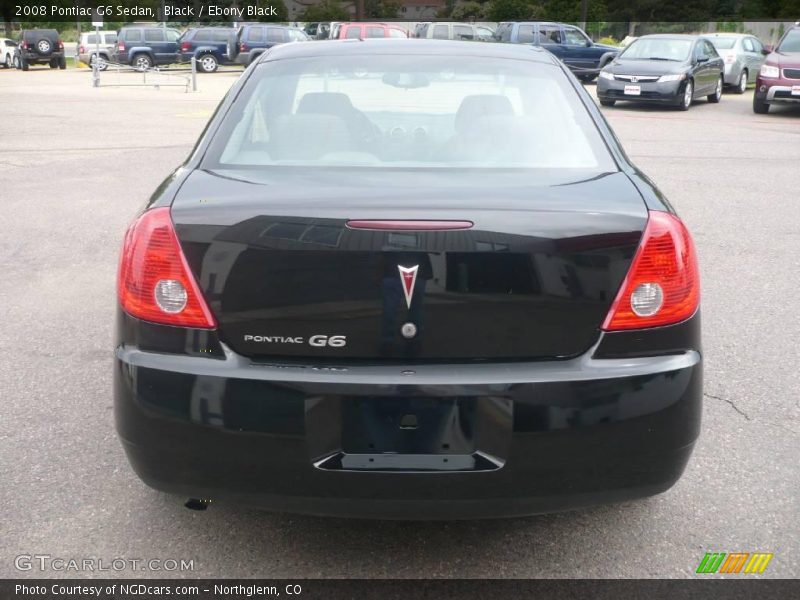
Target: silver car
[
  {"x": 87, "y": 48},
  {"x": 743, "y": 55}
]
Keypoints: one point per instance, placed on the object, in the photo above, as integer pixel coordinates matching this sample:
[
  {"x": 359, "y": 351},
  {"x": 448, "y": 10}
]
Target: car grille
[
  {"x": 791, "y": 73},
  {"x": 637, "y": 78}
]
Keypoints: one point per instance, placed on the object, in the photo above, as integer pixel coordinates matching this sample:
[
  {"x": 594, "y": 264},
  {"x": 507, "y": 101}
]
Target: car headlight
[
  {"x": 673, "y": 77},
  {"x": 606, "y": 75},
  {"x": 769, "y": 71}
]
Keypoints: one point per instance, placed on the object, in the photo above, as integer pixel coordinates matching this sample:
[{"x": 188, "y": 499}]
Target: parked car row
[
  {"x": 675, "y": 70},
  {"x": 668, "y": 69}
]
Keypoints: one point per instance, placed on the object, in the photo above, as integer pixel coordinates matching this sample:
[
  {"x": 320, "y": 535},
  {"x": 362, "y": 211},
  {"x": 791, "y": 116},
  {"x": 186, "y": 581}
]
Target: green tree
[
  {"x": 381, "y": 9},
  {"x": 327, "y": 10},
  {"x": 515, "y": 10},
  {"x": 469, "y": 11}
]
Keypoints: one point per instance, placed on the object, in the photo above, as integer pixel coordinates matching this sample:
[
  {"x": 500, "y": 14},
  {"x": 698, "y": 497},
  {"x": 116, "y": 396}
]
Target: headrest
[{"x": 481, "y": 105}]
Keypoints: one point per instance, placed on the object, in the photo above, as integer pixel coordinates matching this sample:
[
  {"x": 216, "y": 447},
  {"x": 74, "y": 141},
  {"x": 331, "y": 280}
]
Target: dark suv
[
  {"x": 584, "y": 57},
  {"x": 145, "y": 46},
  {"x": 251, "y": 41},
  {"x": 40, "y": 47},
  {"x": 208, "y": 45}
]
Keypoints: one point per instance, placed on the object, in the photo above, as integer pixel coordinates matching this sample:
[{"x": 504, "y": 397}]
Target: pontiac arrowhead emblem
[{"x": 408, "y": 277}]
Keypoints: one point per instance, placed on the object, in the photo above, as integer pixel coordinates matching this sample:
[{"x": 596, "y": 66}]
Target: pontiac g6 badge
[{"x": 408, "y": 277}]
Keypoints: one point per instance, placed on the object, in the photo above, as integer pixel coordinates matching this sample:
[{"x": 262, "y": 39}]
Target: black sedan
[
  {"x": 665, "y": 69},
  {"x": 408, "y": 279}
]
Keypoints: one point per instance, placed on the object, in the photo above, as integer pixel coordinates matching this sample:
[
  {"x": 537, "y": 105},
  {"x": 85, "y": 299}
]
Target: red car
[
  {"x": 369, "y": 30},
  {"x": 779, "y": 78}
]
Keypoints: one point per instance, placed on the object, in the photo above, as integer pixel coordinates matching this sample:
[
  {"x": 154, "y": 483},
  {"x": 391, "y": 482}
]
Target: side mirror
[
  {"x": 768, "y": 49},
  {"x": 589, "y": 43}
]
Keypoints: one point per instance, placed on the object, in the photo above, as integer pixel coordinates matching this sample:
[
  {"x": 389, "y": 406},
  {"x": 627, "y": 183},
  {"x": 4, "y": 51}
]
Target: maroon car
[{"x": 779, "y": 78}]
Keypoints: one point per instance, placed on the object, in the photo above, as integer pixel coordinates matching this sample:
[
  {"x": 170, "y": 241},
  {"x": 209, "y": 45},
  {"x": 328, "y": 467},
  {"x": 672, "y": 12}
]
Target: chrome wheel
[
  {"x": 102, "y": 65},
  {"x": 717, "y": 95},
  {"x": 208, "y": 63},
  {"x": 142, "y": 62},
  {"x": 687, "y": 95}
]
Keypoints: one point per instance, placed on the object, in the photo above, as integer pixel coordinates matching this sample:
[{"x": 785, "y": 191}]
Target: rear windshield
[
  {"x": 723, "y": 43},
  {"x": 391, "y": 111},
  {"x": 658, "y": 49},
  {"x": 791, "y": 43}
]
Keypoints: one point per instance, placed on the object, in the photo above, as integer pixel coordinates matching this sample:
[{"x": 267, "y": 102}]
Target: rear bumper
[
  {"x": 33, "y": 57},
  {"x": 518, "y": 438}
]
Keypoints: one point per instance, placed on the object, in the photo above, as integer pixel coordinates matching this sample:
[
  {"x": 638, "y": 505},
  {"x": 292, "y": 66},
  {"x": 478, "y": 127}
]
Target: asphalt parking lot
[{"x": 77, "y": 163}]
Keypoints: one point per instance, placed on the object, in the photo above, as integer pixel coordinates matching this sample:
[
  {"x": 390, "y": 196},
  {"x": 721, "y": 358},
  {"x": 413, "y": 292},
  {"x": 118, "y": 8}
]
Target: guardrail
[{"x": 159, "y": 77}]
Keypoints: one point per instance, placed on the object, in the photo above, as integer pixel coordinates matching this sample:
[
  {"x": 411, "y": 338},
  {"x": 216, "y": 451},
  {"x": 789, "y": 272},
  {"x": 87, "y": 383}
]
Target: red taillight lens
[
  {"x": 242, "y": 47},
  {"x": 121, "y": 47},
  {"x": 185, "y": 47},
  {"x": 60, "y": 45},
  {"x": 154, "y": 281},
  {"x": 663, "y": 284},
  {"x": 24, "y": 45},
  {"x": 82, "y": 50}
]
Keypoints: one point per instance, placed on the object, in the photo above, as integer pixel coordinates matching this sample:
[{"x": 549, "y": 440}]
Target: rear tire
[
  {"x": 208, "y": 63},
  {"x": 688, "y": 96},
  {"x": 7, "y": 63},
  {"x": 53, "y": 63},
  {"x": 717, "y": 95},
  {"x": 23, "y": 64},
  {"x": 62, "y": 63},
  {"x": 608, "y": 103},
  {"x": 741, "y": 88},
  {"x": 759, "y": 107},
  {"x": 102, "y": 63},
  {"x": 141, "y": 62}
]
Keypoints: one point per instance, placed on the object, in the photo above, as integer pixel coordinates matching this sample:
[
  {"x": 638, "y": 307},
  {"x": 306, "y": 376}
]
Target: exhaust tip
[{"x": 197, "y": 504}]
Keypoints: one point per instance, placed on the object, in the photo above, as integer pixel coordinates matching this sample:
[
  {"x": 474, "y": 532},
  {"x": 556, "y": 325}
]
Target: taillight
[
  {"x": 60, "y": 45},
  {"x": 663, "y": 283},
  {"x": 24, "y": 45},
  {"x": 185, "y": 47},
  {"x": 121, "y": 46},
  {"x": 242, "y": 47},
  {"x": 154, "y": 281},
  {"x": 730, "y": 59},
  {"x": 81, "y": 50}
]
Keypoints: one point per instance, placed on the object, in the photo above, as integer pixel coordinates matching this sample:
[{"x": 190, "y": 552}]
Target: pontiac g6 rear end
[{"x": 408, "y": 279}]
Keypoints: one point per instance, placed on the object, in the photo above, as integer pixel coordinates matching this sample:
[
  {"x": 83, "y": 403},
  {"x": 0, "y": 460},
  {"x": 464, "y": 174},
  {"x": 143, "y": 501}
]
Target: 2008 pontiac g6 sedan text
[{"x": 408, "y": 279}]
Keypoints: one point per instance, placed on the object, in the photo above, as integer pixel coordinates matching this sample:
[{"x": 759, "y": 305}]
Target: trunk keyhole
[{"x": 408, "y": 422}]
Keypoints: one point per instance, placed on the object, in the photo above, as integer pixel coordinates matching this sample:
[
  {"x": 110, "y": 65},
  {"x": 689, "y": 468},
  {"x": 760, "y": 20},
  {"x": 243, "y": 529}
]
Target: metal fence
[{"x": 155, "y": 77}]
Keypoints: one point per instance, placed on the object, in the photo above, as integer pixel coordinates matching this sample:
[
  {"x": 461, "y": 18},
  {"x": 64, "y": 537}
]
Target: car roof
[
  {"x": 671, "y": 36},
  {"x": 390, "y": 46},
  {"x": 727, "y": 34}
]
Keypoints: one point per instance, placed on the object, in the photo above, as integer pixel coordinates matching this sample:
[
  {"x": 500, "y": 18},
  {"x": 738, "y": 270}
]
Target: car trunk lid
[{"x": 529, "y": 273}]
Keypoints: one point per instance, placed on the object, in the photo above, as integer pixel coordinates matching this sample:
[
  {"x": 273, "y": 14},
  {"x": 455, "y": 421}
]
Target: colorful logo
[{"x": 734, "y": 562}]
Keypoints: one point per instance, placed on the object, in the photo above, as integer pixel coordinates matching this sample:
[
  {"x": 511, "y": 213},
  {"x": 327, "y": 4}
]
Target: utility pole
[{"x": 584, "y": 13}]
